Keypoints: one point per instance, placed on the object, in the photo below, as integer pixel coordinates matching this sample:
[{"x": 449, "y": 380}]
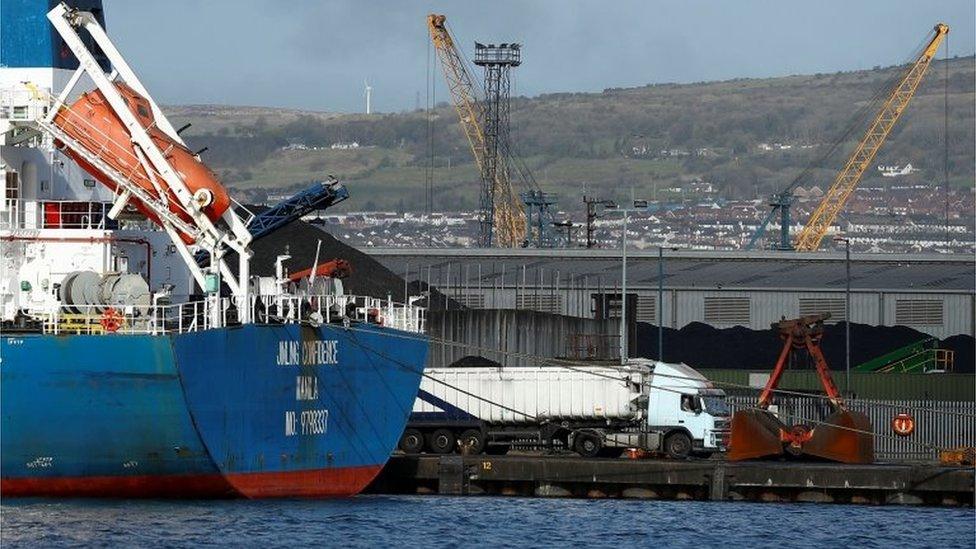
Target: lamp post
[
  {"x": 847, "y": 311},
  {"x": 639, "y": 205},
  {"x": 623, "y": 296},
  {"x": 660, "y": 301},
  {"x": 660, "y": 304}
]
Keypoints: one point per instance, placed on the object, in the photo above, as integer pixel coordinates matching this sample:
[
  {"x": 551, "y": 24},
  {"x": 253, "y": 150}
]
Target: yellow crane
[
  {"x": 502, "y": 207},
  {"x": 833, "y": 201}
]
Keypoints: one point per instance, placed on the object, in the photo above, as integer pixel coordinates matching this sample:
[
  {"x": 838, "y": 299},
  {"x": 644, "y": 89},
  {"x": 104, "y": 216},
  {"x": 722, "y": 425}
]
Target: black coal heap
[{"x": 369, "y": 277}]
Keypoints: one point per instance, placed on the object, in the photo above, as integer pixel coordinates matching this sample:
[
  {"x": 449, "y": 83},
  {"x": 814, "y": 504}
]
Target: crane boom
[
  {"x": 501, "y": 208},
  {"x": 460, "y": 85},
  {"x": 846, "y": 181}
]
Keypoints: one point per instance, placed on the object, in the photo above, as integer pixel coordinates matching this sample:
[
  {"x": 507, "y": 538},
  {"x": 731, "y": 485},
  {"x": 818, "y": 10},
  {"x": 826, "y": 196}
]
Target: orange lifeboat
[{"x": 91, "y": 121}]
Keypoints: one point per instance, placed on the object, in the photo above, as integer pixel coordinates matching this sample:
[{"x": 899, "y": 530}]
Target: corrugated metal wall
[
  {"x": 684, "y": 306},
  {"x": 482, "y": 332},
  {"x": 938, "y": 424}
]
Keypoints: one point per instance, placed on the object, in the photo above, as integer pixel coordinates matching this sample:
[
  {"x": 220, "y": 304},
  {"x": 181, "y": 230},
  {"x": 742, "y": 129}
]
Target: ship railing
[
  {"x": 98, "y": 320},
  {"x": 75, "y": 214},
  {"x": 192, "y": 316},
  {"x": 136, "y": 319},
  {"x": 11, "y": 214},
  {"x": 338, "y": 308}
]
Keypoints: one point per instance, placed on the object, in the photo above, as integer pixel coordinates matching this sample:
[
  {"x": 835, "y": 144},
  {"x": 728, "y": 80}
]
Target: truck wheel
[
  {"x": 441, "y": 441},
  {"x": 474, "y": 440},
  {"x": 412, "y": 441},
  {"x": 677, "y": 445},
  {"x": 587, "y": 445}
]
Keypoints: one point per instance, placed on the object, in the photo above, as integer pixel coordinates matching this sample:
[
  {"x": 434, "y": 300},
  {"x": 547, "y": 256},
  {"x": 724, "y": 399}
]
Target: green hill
[{"x": 610, "y": 141}]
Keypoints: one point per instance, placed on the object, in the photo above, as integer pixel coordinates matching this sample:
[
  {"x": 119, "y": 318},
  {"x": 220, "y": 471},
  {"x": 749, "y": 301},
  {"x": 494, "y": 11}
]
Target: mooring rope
[
  {"x": 569, "y": 365},
  {"x": 556, "y": 363}
]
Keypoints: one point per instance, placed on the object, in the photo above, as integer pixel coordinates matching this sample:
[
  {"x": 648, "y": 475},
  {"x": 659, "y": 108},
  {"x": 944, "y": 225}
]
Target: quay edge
[{"x": 703, "y": 480}]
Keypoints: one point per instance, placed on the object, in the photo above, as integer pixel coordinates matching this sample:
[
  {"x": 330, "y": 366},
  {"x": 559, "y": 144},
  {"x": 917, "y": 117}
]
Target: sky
[{"x": 315, "y": 55}]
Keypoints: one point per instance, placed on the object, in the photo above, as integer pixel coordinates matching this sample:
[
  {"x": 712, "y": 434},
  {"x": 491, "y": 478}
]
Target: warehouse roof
[{"x": 685, "y": 269}]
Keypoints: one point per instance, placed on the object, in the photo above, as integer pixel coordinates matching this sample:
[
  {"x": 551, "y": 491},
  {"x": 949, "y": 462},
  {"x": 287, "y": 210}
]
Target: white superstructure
[
  {"x": 53, "y": 214},
  {"x": 76, "y": 254}
]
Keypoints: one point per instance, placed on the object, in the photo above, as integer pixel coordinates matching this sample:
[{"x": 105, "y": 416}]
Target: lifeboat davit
[{"x": 91, "y": 121}]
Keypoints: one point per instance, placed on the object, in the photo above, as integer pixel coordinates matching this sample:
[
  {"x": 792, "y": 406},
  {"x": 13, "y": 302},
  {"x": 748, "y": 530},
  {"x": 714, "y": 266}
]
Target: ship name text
[{"x": 308, "y": 353}]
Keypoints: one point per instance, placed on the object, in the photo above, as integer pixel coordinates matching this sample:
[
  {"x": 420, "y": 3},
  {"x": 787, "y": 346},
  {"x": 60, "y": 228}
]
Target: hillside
[{"x": 748, "y": 137}]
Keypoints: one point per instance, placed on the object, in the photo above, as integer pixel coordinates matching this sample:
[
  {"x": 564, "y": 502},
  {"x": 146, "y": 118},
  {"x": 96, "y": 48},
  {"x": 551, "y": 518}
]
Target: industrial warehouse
[{"x": 933, "y": 294}]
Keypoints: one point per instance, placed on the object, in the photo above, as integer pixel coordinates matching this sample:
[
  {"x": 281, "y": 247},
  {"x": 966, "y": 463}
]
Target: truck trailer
[{"x": 591, "y": 409}]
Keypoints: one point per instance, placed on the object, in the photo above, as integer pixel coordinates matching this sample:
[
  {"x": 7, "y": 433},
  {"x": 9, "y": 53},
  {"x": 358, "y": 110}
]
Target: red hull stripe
[
  {"x": 316, "y": 483},
  {"x": 141, "y": 486}
]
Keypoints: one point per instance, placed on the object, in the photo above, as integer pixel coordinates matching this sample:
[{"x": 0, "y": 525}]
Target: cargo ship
[{"x": 137, "y": 359}]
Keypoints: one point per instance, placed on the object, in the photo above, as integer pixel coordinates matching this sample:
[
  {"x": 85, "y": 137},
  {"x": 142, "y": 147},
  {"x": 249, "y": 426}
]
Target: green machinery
[{"x": 923, "y": 356}]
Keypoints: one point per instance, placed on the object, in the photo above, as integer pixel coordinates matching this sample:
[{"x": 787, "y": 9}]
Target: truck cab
[{"x": 690, "y": 414}]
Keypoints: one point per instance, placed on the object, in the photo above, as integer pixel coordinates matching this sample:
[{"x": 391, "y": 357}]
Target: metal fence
[{"x": 938, "y": 423}]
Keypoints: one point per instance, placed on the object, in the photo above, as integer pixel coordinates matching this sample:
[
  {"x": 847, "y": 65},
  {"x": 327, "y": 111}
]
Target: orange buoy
[
  {"x": 111, "y": 320},
  {"x": 903, "y": 425}
]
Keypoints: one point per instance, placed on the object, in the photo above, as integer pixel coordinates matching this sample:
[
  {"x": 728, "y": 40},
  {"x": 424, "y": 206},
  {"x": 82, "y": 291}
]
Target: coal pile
[
  {"x": 964, "y": 348},
  {"x": 704, "y": 346},
  {"x": 369, "y": 277}
]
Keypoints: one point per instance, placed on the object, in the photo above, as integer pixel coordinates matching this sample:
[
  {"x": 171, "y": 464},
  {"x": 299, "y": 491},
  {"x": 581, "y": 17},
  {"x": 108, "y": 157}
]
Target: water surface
[{"x": 436, "y": 521}]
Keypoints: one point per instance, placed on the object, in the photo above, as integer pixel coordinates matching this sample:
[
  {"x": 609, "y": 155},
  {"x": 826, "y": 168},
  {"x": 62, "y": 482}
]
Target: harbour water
[{"x": 416, "y": 521}]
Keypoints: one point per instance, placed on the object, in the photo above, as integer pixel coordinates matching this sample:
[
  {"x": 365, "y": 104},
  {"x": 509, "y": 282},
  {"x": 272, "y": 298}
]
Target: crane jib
[
  {"x": 836, "y": 196},
  {"x": 813, "y": 232}
]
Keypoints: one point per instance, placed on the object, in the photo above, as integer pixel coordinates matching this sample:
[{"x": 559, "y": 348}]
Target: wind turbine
[{"x": 368, "y": 92}]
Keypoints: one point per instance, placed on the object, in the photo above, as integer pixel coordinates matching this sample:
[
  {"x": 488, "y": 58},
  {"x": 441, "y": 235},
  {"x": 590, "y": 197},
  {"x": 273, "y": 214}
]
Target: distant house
[
  {"x": 813, "y": 193},
  {"x": 343, "y": 146},
  {"x": 896, "y": 171},
  {"x": 766, "y": 147},
  {"x": 700, "y": 186}
]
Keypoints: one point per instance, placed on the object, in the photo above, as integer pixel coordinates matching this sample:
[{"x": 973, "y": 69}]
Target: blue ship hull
[{"x": 253, "y": 411}]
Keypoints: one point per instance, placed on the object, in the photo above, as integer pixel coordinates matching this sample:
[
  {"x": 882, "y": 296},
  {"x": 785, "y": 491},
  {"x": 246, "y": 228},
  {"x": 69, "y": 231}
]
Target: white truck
[{"x": 592, "y": 409}]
